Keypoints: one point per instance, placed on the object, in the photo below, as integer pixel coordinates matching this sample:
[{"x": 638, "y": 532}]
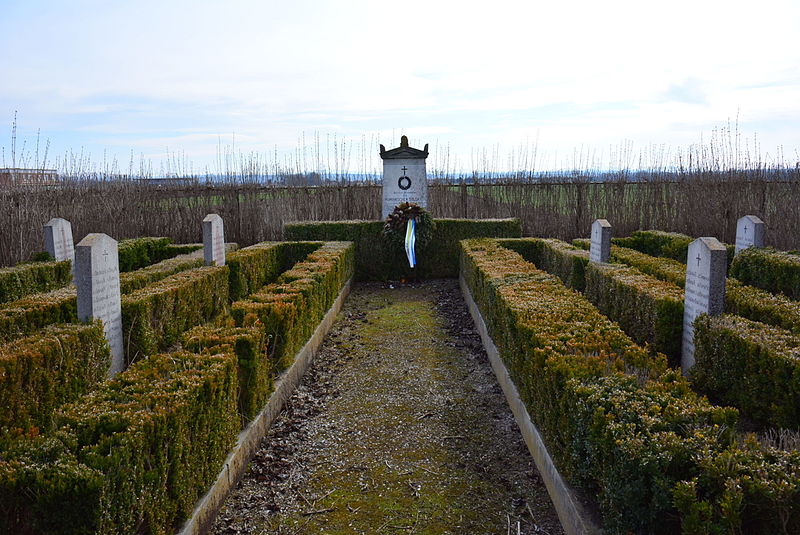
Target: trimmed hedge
[
  {"x": 131, "y": 457},
  {"x": 137, "y": 253},
  {"x": 34, "y": 277},
  {"x": 665, "y": 269},
  {"x": 31, "y": 313},
  {"x": 666, "y": 244},
  {"x": 751, "y": 366},
  {"x": 648, "y": 309},
  {"x": 135, "y": 280},
  {"x": 45, "y": 490},
  {"x": 770, "y": 270},
  {"x": 41, "y": 372},
  {"x": 617, "y": 423},
  {"x": 291, "y": 308},
  {"x": 154, "y": 317},
  {"x": 760, "y": 305},
  {"x": 250, "y": 347},
  {"x": 253, "y": 267},
  {"x": 559, "y": 258},
  {"x": 740, "y": 299},
  {"x": 379, "y": 259}
]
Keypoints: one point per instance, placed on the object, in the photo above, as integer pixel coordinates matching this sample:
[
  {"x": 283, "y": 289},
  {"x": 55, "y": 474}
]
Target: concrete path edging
[
  {"x": 207, "y": 508},
  {"x": 574, "y": 519}
]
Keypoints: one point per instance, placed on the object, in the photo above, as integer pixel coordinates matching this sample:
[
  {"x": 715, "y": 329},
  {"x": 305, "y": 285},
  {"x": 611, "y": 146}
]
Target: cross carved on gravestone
[
  {"x": 404, "y": 170},
  {"x": 105, "y": 256},
  {"x": 698, "y": 260}
]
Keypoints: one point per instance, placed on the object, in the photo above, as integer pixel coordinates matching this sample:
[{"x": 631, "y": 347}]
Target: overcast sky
[{"x": 186, "y": 77}]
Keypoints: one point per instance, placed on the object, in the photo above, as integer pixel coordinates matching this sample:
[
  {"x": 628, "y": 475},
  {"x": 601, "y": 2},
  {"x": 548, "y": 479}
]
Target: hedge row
[
  {"x": 554, "y": 256},
  {"x": 662, "y": 268},
  {"x": 658, "y": 456},
  {"x": 751, "y": 366},
  {"x": 29, "y": 314},
  {"x": 648, "y": 309},
  {"x": 740, "y": 299},
  {"x": 254, "y": 367},
  {"x": 135, "y": 280},
  {"x": 44, "y": 371},
  {"x": 291, "y": 308},
  {"x": 379, "y": 259},
  {"x": 33, "y": 277},
  {"x": 154, "y": 317},
  {"x": 770, "y": 270},
  {"x": 665, "y": 244},
  {"x": 253, "y": 267},
  {"x": 137, "y": 253},
  {"x": 134, "y": 455}
]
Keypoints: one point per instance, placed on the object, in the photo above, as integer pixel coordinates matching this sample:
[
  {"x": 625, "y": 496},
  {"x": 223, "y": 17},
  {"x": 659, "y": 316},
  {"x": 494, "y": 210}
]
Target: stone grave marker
[
  {"x": 97, "y": 282},
  {"x": 405, "y": 178},
  {"x": 600, "y": 249},
  {"x": 58, "y": 240},
  {"x": 213, "y": 241},
  {"x": 749, "y": 233},
  {"x": 706, "y": 266}
]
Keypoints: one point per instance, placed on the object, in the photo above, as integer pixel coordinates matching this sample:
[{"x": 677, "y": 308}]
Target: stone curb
[
  {"x": 574, "y": 519},
  {"x": 206, "y": 510}
]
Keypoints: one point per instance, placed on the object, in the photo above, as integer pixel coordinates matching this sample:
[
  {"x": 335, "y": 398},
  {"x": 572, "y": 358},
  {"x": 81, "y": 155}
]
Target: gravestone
[
  {"x": 600, "y": 248},
  {"x": 213, "y": 241},
  {"x": 404, "y": 176},
  {"x": 97, "y": 281},
  {"x": 58, "y": 240},
  {"x": 749, "y": 233},
  {"x": 706, "y": 265}
]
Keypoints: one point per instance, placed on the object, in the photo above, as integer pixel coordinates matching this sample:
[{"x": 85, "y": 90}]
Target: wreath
[{"x": 394, "y": 229}]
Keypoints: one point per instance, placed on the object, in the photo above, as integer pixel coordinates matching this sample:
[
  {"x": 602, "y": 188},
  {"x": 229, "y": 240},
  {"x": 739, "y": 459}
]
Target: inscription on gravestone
[
  {"x": 213, "y": 240},
  {"x": 58, "y": 240},
  {"x": 600, "y": 249},
  {"x": 97, "y": 282},
  {"x": 749, "y": 233},
  {"x": 706, "y": 264},
  {"x": 405, "y": 177}
]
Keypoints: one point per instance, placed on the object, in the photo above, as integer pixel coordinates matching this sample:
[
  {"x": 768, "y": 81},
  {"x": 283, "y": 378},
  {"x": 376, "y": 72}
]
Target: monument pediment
[{"x": 404, "y": 151}]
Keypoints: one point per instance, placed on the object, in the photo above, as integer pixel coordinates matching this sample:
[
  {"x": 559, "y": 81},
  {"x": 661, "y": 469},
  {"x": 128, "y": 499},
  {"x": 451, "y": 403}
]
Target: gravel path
[{"x": 398, "y": 427}]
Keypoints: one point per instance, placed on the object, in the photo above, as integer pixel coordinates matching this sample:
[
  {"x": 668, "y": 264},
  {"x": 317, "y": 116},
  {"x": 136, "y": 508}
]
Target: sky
[{"x": 499, "y": 84}]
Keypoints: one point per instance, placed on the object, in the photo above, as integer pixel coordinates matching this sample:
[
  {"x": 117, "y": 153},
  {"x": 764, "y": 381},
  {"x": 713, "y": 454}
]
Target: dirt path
[{"x": 399, "y": 427}]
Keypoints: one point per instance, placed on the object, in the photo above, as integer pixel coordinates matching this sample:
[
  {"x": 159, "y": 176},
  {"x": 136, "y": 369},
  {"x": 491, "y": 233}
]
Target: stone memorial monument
[
  {"x": 706, "y": 265},
  {"x": 58, "y": 240},
  {"x": 749, "y": 233},
  {"x": 97, "y": 282},
  {"x": 213, "y": 241},
  {"x": 600, "y": 248},
  {"x": 404, "y": 176}
]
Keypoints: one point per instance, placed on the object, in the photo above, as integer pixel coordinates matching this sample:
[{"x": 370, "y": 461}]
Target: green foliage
[
  {"x": 159, "y": 433},
  {"x": 290, "y": 309},
  {"x": 34, "y": 277},
  {"x": 41, "y": 372},
  {"x": 760, "y": 305},
  {"x": 45, "y": 490},
  {"x": 251, "y": 350},
  {"x": 559, "y": 258},
  {"x": 752, "y": 366},
  {"x": 649, "y": 310},
  {"x": 140, "y": 252},
  {"x": 135, "y": 280},
  {"x": 154, "y": 317},
  {"x": 746, "y": 489},
  {"x": 659, "y": 457},
  {"x": 665, "y": 269},
  {"x": 27, "y": 315},
  {"x": 257, "y": 265},
  {"x": 770, "y": 270},
  {"x": 664, "y": 244},
  {"x": 378, "y": 260}
]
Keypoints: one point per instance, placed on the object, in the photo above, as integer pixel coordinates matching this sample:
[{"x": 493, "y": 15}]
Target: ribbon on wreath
[{"x": 411, "y": 240}]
